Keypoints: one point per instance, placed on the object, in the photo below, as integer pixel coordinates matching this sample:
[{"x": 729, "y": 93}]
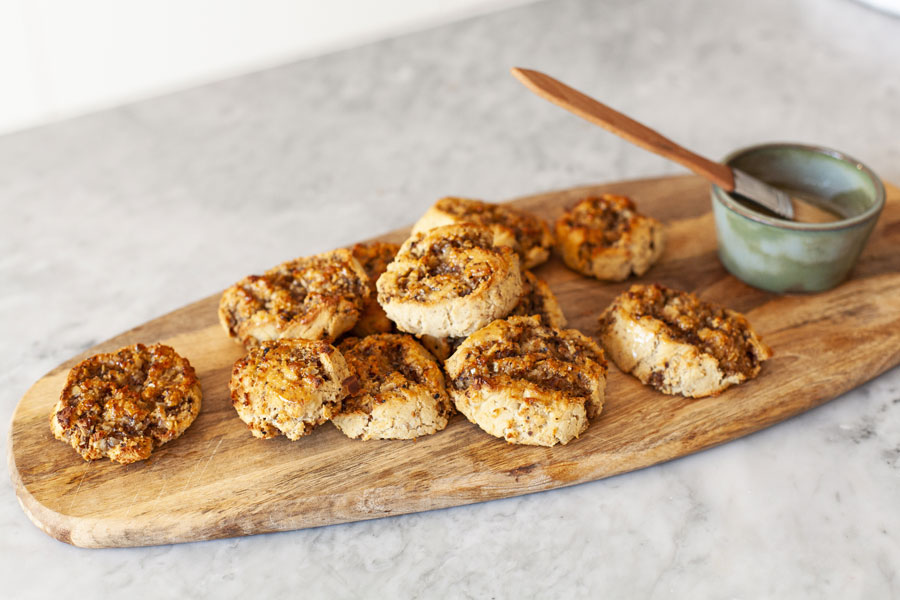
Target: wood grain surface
[{"x": 217, "y": 481}]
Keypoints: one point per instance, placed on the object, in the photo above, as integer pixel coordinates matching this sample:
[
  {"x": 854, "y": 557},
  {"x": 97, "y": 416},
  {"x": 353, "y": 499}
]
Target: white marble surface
[{"x": 186, "y": 193}]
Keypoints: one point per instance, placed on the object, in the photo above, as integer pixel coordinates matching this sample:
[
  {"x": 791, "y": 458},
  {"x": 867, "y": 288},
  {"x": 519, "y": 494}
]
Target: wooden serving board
[{"x": 217, "y": 481}]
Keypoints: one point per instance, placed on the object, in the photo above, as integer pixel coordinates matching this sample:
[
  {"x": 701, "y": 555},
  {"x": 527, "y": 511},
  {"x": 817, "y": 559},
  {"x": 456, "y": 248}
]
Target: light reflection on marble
[{"x": 186, "y": 193}]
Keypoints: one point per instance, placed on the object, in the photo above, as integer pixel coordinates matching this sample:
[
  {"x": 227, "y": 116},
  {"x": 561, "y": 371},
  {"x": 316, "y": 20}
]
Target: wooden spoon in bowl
[{"x": 728, "y": 178}]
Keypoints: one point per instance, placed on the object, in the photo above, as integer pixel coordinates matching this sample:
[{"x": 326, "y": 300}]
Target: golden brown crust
[
  {"x": 525, "y": 233},
  {"x": 288, "y": 386},
  {"x": 606, "y": 238},
  {"x": 449, "y": 281},
  {"x": 526, "y": 382},
  {"x": 374, "y": 258},
  {"x": 125, "y": 404},
  {"x": 678, "y": 344},
  {"x": 400, "y": 394},
  {"x": 538, "y": 299},
  {"x": 316, "y": 297}
]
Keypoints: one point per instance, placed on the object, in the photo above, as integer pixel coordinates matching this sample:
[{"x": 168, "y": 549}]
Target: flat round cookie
[
  {"x": 525, "y": 233},
  {"x": 401, "y": 393},
  {"x": 374, "y": 258},
  {"x": 678, "y": 344},
  {"x": 605, "y": 237},
  {"x": 123, "y": 405},
  {"x": 316, "y": 297},
  {"x": 449, "y": 281},
  {"x": 289, "y": 386},
  {"x": 528, "y": 383}
]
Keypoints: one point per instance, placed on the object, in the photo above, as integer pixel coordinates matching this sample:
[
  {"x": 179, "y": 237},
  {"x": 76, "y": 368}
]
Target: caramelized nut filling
[
  {"x": 602, "y": 221},
  {"x": 529, "y": 230},
  {"x": 455, "y": 265},
  {"x": 551, "y": 359},
  {"x": 140, "y": 396},
  {"x": 722, "y": 333},
  {"x": 295, "y": 291},
  {"x": 389, "y": 363}
]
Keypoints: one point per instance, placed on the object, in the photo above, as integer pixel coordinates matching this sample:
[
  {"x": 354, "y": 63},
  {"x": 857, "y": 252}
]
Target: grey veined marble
[{"x": 114, "y": 218}]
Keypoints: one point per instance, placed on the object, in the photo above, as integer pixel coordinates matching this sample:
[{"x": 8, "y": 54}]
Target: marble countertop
[{"x": 186, "y": 193}]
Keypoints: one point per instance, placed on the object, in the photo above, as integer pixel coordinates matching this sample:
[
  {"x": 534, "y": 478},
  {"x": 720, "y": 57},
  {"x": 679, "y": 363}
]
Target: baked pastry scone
[
  {"x": 449, "y": 281},
  {"x": 605, "y": 237},
  {"x": 678, "y": 344},
  {"x": 374, "y": 259},
  {"x": 401, "y": 393},
  {"x": 125, "y": 404},
  {"x": 316, "y": 297},
  {"x": 536, "y": 299},
  {"x": 528, "y": 383},
  {"x": 289, "y": 386},
  {"x": 525, "y": 233}
]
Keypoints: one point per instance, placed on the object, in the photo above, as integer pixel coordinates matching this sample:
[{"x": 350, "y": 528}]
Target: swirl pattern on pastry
[{"x": 528, "y": 383}]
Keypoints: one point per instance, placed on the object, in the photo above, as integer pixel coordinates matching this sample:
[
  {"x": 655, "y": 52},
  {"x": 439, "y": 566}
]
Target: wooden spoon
[{"x": 728, "y": 178}]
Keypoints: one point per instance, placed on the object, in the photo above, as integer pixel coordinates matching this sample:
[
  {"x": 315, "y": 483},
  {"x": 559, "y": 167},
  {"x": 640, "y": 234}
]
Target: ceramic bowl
[{"x": 785, "y": 256}]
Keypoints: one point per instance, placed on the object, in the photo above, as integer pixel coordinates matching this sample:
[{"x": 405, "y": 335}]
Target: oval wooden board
[{"x": 217, "y": 481}]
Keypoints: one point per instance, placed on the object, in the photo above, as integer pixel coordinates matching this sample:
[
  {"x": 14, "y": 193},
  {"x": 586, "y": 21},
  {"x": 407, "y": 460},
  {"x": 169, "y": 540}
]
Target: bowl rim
[{"x": 869, "y": 214}]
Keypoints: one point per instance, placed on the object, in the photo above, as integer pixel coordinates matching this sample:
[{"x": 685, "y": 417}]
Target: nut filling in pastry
[
  {"x": 678, "y": 344},
  {"x": 289, "y": 386},
  {"x": 317, "y": 297},
  {"x": 525, "y": 233},
  {"x": 538, "y": 299},
  {"x": 449, "y": 281},
  {"x": 605, "y": 237},
  {"x": 125, "y": 404},
  {"x": 374, "y": 258},
  {"x": 528, "y": 383},
  {"x": 401, "y": 393}
]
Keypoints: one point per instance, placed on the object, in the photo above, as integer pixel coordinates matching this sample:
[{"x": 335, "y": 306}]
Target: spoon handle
[{"x": 625, "y": 127}]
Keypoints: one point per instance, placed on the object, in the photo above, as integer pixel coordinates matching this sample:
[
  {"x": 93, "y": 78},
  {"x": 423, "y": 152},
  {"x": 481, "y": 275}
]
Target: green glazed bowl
[{"x": 785, "y": 256}]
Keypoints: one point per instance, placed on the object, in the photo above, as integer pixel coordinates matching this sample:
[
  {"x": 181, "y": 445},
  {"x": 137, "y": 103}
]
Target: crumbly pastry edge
[
  {"x": 394, "y": 419},
  {"x": 641, "y": 348},
  {"x": 404, "y": 414},
  {"x": 261, "y": 425},
  {"x": 520, "y": 414}
]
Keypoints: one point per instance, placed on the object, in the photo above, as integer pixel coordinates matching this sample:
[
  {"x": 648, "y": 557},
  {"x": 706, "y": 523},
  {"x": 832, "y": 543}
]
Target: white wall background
[{"x": 60, "y": 58}]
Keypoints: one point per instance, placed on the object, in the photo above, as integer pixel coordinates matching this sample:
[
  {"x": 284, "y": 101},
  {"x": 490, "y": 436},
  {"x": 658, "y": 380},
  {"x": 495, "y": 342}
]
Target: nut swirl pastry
[
  {"x": 401, "y": 393},
  {"x": 677, "y": 344},
  {"x": 536, "y": 299},
  {"x": 605, "y": 237},
  {"x": 317, "y": 297},
  {"x": 528, "y": 383},
  {"x": 525, "y": 233},
  {"x": 125, "y": 404},
  {"x": 449, "y": 281},
  {"x": 374, "y": 258},
  {"x": 289, "y": 386}
]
